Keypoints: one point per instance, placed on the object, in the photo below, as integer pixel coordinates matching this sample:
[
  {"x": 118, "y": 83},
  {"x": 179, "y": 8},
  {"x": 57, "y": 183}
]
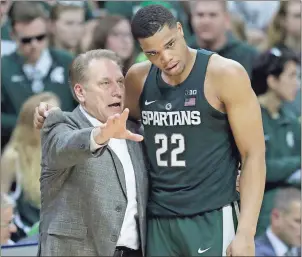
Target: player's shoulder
[
  {"x": 140, "y": 68},
  {"x": 221, "y": 68},
  {"x": 137, "y": 74}
]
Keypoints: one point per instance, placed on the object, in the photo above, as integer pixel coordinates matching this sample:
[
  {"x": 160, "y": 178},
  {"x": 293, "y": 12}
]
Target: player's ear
[{"x": 179, "y": 28}]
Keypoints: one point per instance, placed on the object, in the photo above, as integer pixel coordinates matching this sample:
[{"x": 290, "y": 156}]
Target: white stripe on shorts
[{"x": 228, "y": 228}]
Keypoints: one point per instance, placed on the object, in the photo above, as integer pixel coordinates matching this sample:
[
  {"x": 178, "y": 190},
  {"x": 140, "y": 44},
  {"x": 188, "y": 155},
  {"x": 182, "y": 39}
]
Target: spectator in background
[
  {"x": 20, "y": 163},
  {"x": 5, "y": 23},
  {"x": 129, "y": 8},
  {"x": 211, "y": 24},
  {"x": 256, "y": 15},
  {"x": 67, "y": 26},
  {"x": 285, "y": 33},
  {"x": 33, "y": 67},
  {"x": 87, "y": 36},
  {"x": 285, "y": 29},
  {"x": 238, "y": 28},
  {"x": 7, "y": 45},
  {"x": 7, "y": 228},
  {"x": 49, "y": 4},
  {"x": 274, "y": 80},
  {"x": 113, "y": 32},
  {"x": 283, "y": 237}
]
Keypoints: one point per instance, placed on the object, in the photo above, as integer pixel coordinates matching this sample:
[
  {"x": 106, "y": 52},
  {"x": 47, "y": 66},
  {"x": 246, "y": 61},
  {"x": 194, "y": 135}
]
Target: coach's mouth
[
  {"x": 117, "y": 104},
  {"x": 116, "y": 107}
]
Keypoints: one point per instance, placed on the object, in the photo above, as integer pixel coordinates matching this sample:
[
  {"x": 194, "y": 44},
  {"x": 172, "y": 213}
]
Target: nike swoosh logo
[
  {"x": 151, "y": 102},
  {"x": 203, "y": 251}
]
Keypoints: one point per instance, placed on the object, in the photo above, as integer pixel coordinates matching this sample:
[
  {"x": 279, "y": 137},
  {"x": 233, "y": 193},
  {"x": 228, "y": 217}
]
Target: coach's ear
[{"x": 80, "y": 92}]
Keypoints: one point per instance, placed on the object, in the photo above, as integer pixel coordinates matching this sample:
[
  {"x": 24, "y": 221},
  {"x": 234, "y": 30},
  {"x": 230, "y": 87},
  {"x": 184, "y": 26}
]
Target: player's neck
[
  {"x": 176, "y": 80},
  {"x": 271, "y": 103}
]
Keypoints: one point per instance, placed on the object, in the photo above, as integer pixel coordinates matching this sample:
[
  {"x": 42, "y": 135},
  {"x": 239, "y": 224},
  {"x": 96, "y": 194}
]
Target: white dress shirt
[
  {"x": 279, "y": 246},
  {"x": 129, "y": 232}
]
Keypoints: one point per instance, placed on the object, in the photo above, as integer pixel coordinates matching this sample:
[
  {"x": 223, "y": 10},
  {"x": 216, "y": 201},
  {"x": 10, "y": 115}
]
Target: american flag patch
[{"x": 190, "y": 101}]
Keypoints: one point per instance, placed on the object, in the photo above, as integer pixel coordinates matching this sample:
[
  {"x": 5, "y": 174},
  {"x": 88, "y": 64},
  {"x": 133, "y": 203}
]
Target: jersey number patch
[{"x": 177, "y": 139}]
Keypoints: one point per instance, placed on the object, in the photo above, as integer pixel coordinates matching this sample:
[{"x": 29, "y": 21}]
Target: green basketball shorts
[{"x": 208, "y": 234}]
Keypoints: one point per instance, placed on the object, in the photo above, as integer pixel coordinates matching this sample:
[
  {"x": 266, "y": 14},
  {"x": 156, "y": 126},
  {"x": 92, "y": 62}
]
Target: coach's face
[{"x": 103, "y": 95}]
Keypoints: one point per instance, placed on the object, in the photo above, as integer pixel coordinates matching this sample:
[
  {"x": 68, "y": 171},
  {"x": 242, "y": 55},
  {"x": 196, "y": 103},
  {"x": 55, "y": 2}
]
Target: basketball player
[{"x": 200, "y": 117}]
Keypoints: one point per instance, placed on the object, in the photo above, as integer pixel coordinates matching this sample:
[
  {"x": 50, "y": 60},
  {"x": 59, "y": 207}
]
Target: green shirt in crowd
[
  {"x": 235, "y": 50},
  {"x": 18, "y": 82},
  {"x": 283, "y": 158}
]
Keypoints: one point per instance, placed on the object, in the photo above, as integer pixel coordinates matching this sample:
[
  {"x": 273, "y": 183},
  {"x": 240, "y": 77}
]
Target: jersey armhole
[
  {"x": 212, "y": 110},
  {"x": 144, "y": 86}
]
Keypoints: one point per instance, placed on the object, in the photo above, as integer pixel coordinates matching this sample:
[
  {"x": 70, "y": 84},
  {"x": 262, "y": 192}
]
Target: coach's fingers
[
  {"x": 134, "y": 137},
  {"x": 42, "y": 108}
]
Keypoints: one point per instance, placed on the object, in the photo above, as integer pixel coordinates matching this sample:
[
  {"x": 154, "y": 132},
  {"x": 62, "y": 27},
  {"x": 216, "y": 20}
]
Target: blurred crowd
[{"x": 39, "y": 40}]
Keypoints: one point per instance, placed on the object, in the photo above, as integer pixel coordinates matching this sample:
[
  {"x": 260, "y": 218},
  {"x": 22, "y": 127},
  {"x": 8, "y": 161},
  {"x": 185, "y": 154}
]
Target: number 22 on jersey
[{"x": 163, "y": 141}]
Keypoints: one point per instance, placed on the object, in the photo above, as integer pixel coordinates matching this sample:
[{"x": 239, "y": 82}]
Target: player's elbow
[{"x": 255, "y": 159}]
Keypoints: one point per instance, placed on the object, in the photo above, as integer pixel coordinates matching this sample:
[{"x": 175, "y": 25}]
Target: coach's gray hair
[
  {"x": 78, "y": 68},
  {"x": 285, "y": 197}
]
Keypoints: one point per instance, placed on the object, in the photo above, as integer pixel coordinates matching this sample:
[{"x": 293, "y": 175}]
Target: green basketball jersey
[{"x": 190, "y": 146}]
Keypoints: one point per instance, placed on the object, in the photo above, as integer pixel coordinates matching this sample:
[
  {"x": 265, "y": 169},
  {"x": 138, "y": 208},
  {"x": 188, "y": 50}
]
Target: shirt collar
[
  {"x": 42, "y": 66},
  {"x": 94, "y": 122},
  {"x": 280, "y": 247}
]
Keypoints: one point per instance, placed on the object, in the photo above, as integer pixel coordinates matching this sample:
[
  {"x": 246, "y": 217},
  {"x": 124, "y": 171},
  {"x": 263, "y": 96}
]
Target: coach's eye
[{"x": 105, "y": 83}]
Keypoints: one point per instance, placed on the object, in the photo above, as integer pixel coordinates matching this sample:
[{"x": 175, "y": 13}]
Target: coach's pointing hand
[{"x": 115, "y": 127}]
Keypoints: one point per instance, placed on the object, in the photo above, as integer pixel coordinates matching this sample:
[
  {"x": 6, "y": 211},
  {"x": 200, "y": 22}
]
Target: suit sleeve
[{"x": 64, "y": 144}]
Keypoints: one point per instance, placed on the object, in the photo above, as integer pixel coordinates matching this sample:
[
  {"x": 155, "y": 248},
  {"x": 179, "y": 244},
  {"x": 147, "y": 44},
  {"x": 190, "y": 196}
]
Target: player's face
[
  {"x": 103, "y": 94},
  {"x": 167, "y": 50},
  {"x": 287, "y": 85}
]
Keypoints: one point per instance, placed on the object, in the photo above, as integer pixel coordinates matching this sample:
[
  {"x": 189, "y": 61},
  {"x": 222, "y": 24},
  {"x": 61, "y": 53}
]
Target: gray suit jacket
[{"x": 83, "y": 194}]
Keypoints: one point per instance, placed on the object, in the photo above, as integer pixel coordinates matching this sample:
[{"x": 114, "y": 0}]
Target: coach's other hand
[
  {"x": 115, "y": 127},
  {"x": 41, "y": 112}
]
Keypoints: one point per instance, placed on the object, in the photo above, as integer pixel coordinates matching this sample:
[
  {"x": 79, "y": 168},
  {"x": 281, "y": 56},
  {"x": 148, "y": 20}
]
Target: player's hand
[
  {"x": 115, "y": 127},
  {"x": 41, "y": 112},
  {"x": 242, "y": 245}
]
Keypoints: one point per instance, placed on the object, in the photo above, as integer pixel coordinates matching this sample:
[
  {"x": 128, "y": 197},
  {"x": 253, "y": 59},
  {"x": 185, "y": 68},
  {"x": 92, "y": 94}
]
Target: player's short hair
[
  {"x": 285, "y": 197},
  {"x": 150, "y": 20},
  {"x": 271, "y": 62},
  {"x": 78, "y": 67}
]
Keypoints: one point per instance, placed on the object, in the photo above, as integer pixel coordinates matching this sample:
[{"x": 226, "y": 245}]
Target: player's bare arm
[
  {"x": 232, "y": 87},
  {"x": 134, "y": 83}
]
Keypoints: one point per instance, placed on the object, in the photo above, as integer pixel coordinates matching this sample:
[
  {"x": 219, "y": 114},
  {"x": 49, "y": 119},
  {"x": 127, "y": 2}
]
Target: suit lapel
[
  {"x": 119, "y": 170},
  {"x": 85, "y": 123}
]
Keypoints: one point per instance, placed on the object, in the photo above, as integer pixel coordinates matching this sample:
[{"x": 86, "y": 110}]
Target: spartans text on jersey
[{"x": 174, "y": 118}]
